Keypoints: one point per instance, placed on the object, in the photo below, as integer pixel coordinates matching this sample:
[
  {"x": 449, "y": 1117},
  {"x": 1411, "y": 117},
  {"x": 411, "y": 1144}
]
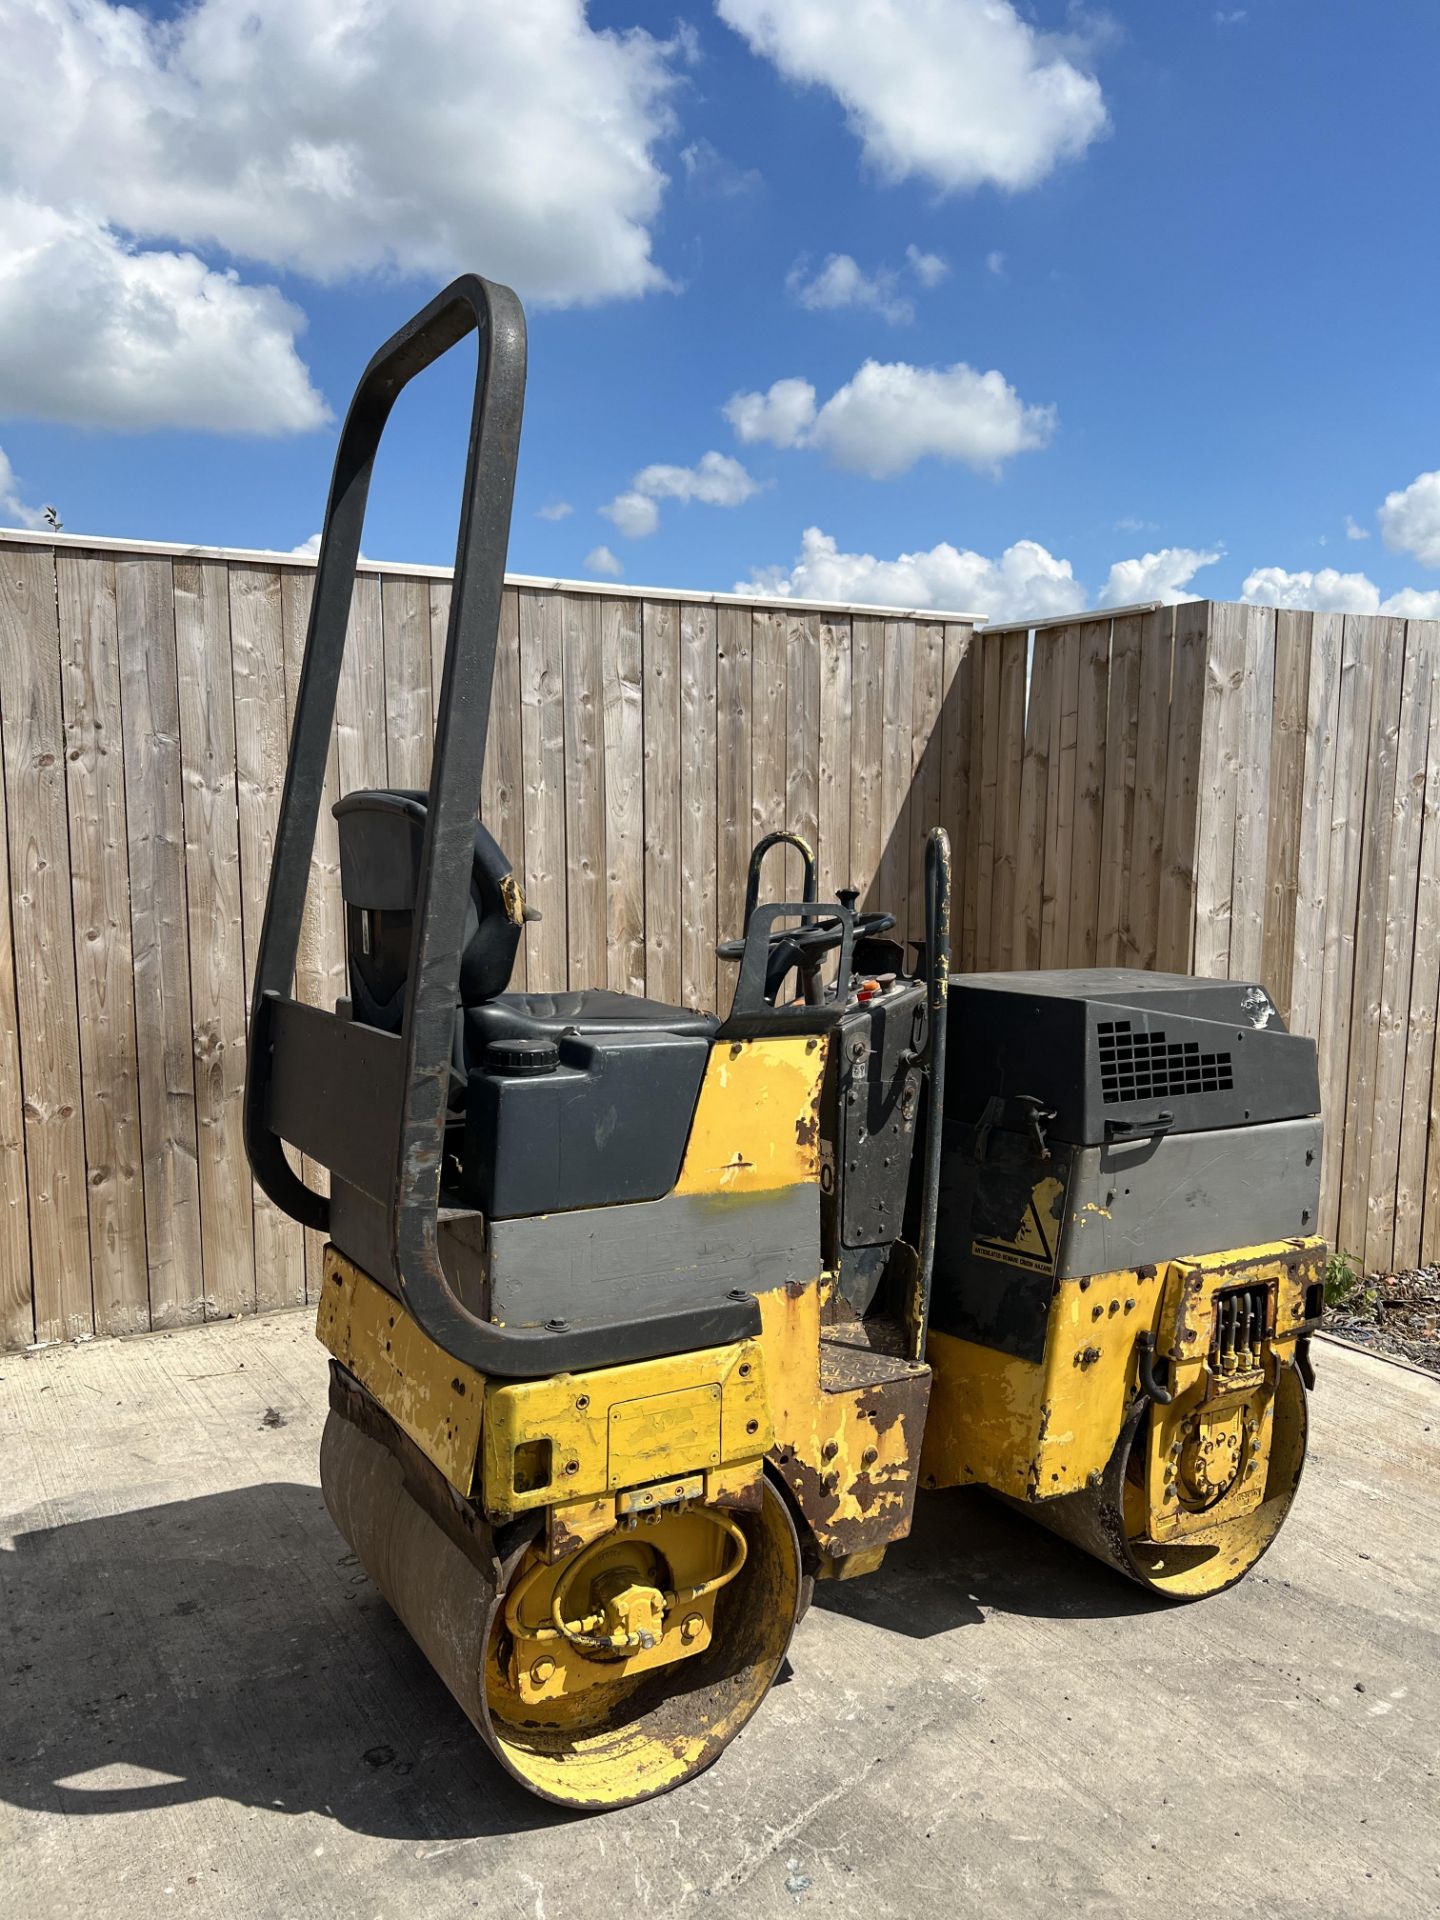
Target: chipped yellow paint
[
  {"x": 435, "y": 1399},
  {"x": 1037, "y": 1431},
  {"x": 756, "y": 1124},
  {"x": 848, "y": 1453},
  {"x": 984, "y": 1414},
  {"x": 584, "y": 1435}
]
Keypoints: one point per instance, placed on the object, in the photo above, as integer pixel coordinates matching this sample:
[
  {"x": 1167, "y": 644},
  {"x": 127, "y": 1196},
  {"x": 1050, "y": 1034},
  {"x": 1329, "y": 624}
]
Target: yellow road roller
[{"x": 643, "y": 1320}]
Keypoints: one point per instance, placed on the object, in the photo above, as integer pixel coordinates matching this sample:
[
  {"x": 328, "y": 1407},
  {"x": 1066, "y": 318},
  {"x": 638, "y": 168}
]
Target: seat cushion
[{"x": 515, "y": 1016}]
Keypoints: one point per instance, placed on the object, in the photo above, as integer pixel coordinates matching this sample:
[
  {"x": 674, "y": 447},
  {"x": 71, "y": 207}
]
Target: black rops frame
[{"x": 372, "y": 1106}]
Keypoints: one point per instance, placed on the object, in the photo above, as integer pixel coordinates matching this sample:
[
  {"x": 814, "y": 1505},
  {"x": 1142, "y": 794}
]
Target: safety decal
[{"x": 1035, "y": 1243}]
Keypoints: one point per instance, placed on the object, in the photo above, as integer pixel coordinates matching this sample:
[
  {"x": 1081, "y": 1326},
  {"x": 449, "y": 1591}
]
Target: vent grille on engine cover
[{"x": 1145, "y": 1066}]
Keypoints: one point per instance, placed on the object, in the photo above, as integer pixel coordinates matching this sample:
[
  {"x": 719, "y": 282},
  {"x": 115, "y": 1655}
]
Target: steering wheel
[{"x": 804, "y": 948}]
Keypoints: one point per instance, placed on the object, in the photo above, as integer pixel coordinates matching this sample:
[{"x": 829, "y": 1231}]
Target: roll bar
[{"x": 371, "y": 1105}]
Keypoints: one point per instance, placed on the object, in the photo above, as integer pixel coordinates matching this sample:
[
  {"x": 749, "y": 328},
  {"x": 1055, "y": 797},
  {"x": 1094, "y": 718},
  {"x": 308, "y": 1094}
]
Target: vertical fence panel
[
  {"x": 927, "y": 745},
  {"x": 155, "y": 828},
  {"x": 833, "y": 802},
  {"x": 585, "y": 862},
  {"x": 733, "y": 818},
  {"x": 542, "y": 715},
  {"x": 663, "y": 747},
  {"x": 769, "y": 715},
  {"x": 1089, "y": 792},
  {"x": 1175, "y": 939},
  {"x": 44, "y": 937},
  {"x": 1118, "y": 881},
  {"x": 104, "y": 962},
  {"x": 1218, "y": 787},
  {"x": 502, "y": 787},
  {"x": 623, "y": 671},
  {"x": 1034, "y": 804},
  {"x": 1293, "y": 635},
  {"x": 1420, "y": 1089},
  {"x": 1396, "y": 933},
  {"x": 1342, "y": 896},
  {"x": 1312, "y": 858},
  {"x": 257, "y": 649},
  {"x": 1252, "y": 795},
  {"x": 17, "y": 1286},
  {"x": 1378, "y": 824},
  {"x": 955, "y": 701},
  {"x": 1222, "y": 787},
  {"x": 697, "y": 806},
  {"x": 405, "y": 626},
  {"x": 867, "y": 720},
  {"x": 1140, "y": 909},
  {"x": 897, "y": 699},
  {"x": 216, "y": 940}
]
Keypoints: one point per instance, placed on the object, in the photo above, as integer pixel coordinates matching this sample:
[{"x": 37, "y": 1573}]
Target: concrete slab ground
[{"x": 207, "y": 1710}]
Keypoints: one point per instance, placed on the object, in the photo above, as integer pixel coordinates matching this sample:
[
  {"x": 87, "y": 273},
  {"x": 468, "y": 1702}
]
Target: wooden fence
[{"x": 1209, "y": 785}]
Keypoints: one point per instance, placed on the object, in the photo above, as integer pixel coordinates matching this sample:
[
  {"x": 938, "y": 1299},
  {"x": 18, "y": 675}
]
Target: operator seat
[
  {"x": 381, "y": 831},
  {"x": 558, "y": 1101}
]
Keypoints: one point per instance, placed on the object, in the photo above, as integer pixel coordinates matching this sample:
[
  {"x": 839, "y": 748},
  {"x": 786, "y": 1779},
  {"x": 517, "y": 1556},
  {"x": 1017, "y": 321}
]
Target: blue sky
[{"x": 1190, "y": 250}]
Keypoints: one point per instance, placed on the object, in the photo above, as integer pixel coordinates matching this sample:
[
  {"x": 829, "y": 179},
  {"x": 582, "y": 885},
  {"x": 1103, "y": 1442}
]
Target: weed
[{"x": 1342, "y": 1277}]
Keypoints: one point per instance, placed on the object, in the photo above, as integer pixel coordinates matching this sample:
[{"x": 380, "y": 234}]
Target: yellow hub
[
  {"x": 633, "y": 1599},
  {"x": 592, "y": 1723}
]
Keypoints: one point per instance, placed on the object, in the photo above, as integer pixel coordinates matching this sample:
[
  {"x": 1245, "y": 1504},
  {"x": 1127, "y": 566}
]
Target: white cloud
[
  {"x": 1411, "y": 603},
  {"x": 783, "y": 415},
  {"x": 928, "y": 268},
  {"x": 92, "y": 331},
  {"x": 1325, "y": 592},
  {"x": 12, "y": 508},
  {"x": 1410, "y": 519},
  {"x": 961, "y": 92},
  {"x": 602, "y": 560},
  {"x": 310, "y": 549},
  {"x": 995, "y": 263},
  {"x": 716, "y": 480},
  {"x": 1330, "y": 592},
  {"x": 1026, "y": 581},
  {"x": 890, "y": 414},
  {"x": 554, "y": 510},
  {"x": 336, "y": 137},
  {"x": 842, "y": 282},
  {"x": 1159, "y": 576},
  {"x": 1353, "y": 529},
  {"x": 633, "y": 514}
]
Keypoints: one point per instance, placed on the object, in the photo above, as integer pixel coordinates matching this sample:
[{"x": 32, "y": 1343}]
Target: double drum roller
[{"x": 642, "y": 1319}]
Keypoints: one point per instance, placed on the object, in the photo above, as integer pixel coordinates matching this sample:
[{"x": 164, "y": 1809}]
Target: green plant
[{"x": 1342, "y": 1277}]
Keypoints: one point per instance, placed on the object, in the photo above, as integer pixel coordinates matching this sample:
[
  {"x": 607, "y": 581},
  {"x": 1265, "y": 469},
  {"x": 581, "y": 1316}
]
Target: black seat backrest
[{"x": 381, "y": 831}]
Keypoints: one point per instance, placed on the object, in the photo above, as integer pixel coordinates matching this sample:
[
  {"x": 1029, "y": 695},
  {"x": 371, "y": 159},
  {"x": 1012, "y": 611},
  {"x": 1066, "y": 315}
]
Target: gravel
[{"x": 1394, "y": 1313}]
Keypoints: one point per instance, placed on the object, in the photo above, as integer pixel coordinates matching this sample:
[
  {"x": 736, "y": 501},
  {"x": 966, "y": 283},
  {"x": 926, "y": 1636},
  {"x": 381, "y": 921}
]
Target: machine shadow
[
  {"x": 969, "y": 1554},
  {"x": 230, "y": 1646}
]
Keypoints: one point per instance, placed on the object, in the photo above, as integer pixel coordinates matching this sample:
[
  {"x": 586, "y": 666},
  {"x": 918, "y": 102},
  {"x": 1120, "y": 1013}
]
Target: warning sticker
[{"x": 1035, "y": 1242}]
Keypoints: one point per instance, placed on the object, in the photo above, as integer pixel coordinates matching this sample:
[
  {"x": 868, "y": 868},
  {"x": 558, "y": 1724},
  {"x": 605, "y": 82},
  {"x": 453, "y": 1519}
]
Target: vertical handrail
[{"x": 937, "y": 994}]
